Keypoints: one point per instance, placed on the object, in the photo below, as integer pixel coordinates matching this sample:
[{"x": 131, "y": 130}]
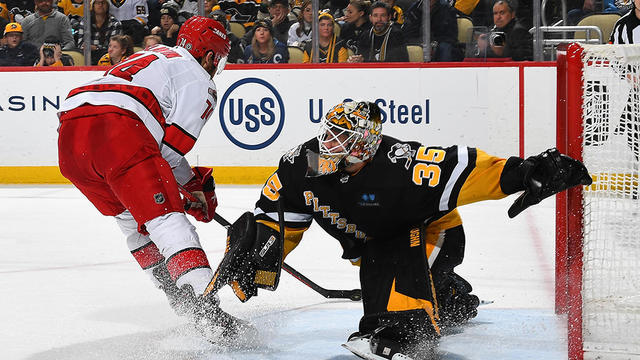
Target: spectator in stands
[
  {"x": 300, "y": 32},
  {"x": 51, "y": 55},
  {"x": 244, "y": 12},
  {"x": 46, "y": 23},
  {"x": 278, "y": 12},
  {"x": 16, "y": 52},
  {"x": 3, "y": 23},
  {"x": 168, "y": 29},
  {"x": 208, "y": 7},
  {"x": 280, "y": 23},
  {"x": 120, "y": 48},
  {"x": 397, "y": 15},
  {"x": 103, "y": 27},
  {"x": 589, "y": 7},
  {"x": 357, "y": 24},
  {"x": 17, "y": 10},
  {"x": 508, "y": 38},
  {"x": 383, "y": 42},
  {"x": 264, "y": 47},
  {"x": 329, "y": 49},
  {"x": 337, "y": 8},
  {"x": 236, "y": 54},
  {"x": 133, "y": 14},
  {"x": 71, "y": 7},
  {"x": 151, "y": 40},
  {"x": 444, "y": 30},
  {"x": 5, "y": 17},
  {"x": 625, "y": 28}
]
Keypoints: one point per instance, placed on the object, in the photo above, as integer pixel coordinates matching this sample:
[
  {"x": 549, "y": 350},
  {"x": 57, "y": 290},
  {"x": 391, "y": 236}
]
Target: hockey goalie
[{"x": 392, "y": 206}]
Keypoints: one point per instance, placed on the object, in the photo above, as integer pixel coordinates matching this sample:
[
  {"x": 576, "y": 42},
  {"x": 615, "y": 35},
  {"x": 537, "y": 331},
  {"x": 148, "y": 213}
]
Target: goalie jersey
[{"x": 405, "y": 185}]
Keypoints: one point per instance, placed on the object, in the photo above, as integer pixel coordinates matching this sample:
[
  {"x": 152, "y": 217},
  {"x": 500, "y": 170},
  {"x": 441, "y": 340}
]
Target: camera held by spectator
[
  {"x": 497, "y": 38},
  {"x": 51, "y": 54},
  {"x": 48, "y": 49}
]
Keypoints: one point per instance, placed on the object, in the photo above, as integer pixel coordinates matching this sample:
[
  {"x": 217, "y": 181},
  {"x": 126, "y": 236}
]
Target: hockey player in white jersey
[{"x": 122, "y": 141}]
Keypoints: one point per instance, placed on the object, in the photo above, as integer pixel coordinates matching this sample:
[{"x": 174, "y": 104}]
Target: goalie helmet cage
[{"x": 598, "y": 226}]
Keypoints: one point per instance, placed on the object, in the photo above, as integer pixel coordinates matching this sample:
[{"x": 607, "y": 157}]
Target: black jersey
[
  {"x": 405, "y": 184},
  {"x": 626, "y": 29}
]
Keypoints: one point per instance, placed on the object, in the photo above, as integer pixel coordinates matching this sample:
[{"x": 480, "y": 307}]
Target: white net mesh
[{"x": 611, "y": 269}]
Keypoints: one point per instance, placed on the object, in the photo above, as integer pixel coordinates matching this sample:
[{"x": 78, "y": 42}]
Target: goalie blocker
[{"x": 252, "y": 260}]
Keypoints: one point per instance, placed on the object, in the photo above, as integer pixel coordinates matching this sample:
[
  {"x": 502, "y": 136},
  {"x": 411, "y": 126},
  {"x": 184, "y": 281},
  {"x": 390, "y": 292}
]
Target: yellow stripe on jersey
[
  {"x": 292, "y": 236},
  {"x": 484, "y": 181},
  {"x": 435, "y": 232},
  {"x": 401, "y": 302}
]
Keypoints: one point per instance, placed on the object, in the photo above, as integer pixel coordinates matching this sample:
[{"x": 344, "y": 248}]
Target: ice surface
[{"x": 71, "y": 290}]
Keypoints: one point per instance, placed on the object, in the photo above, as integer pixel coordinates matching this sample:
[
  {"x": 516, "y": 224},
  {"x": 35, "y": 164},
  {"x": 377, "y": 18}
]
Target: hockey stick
[{"x": 353, "y": 295}]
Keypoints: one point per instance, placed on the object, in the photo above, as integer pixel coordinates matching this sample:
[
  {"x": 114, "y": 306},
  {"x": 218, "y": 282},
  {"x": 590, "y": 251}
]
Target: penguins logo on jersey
[{"x": 401, "y": 151}]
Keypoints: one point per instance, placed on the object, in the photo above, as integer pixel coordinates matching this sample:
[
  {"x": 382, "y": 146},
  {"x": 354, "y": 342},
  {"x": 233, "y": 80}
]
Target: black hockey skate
[
  {"x": 180, "y": 301},
  {"x": 376, "y": 347},
  {"x": 404, "y": 335},
  {"x": 219, "y": 327}
]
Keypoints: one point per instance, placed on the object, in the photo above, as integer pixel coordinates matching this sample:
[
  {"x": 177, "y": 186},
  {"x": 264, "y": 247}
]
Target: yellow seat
[
  {"x": 295, "y": 55},
  {"x": 238, "y": 29},
  {"x": 604, "y": 21},
  {"x": 415, "y": 53},
  {"x": 137, "y": 48},
  {"x": 78, "y": 57},
  {"x": 465, "y": 28}
]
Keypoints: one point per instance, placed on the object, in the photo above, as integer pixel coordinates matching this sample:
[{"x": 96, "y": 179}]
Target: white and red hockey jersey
[
  {"x": 167, "y": 89},
  {"x": 130, "y": 9}
]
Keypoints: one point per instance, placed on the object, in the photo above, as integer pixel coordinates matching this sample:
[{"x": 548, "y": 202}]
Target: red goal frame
[{"x": 569, "y": 210}]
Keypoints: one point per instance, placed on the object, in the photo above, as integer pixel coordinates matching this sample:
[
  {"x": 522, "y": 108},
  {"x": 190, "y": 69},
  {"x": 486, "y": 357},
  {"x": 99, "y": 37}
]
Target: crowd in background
[{"x": 41, "y": 32}]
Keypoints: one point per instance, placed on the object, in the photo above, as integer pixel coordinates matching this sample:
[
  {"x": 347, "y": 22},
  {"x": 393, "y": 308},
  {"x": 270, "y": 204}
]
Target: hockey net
[{"x": 598, "y": 227}]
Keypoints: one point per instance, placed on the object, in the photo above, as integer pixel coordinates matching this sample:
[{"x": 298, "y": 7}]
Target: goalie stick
[{"x": 353, "y": 295}]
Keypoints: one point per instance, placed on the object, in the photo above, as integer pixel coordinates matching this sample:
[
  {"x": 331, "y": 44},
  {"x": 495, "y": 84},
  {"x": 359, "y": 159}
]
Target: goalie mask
[{"x": 351, "y": 133}]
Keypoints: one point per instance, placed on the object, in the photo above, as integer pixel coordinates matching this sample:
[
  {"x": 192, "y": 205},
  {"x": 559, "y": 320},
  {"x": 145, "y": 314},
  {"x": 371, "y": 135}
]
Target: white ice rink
[{"x": 71, "y": 290}]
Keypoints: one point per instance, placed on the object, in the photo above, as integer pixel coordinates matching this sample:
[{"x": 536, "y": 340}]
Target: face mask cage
[{"x": 335, "y": 141}]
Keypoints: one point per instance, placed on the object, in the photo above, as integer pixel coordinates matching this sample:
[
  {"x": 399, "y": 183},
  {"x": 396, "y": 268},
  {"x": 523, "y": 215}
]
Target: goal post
[{"x": 598, "y": 226}]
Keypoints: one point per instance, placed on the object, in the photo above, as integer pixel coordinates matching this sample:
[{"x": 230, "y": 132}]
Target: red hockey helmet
[{"x": 200, "y": 35}]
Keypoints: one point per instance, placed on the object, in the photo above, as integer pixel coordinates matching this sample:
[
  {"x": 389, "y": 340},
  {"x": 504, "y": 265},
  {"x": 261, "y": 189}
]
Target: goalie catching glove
[
  {"x": 542, "y": 176},
  {"x": 252, "y": 259},
  {"x": 199, "y": 193}
]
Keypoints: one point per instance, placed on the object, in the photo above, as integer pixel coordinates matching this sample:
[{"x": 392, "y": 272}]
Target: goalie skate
[{"x": 361, "y": 347}]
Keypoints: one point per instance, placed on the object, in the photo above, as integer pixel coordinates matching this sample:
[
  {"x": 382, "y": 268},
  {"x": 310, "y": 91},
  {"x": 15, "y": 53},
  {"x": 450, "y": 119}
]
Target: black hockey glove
[
  {"x": 547, "y": 174},
  {"x": 252, "y": 260}
]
